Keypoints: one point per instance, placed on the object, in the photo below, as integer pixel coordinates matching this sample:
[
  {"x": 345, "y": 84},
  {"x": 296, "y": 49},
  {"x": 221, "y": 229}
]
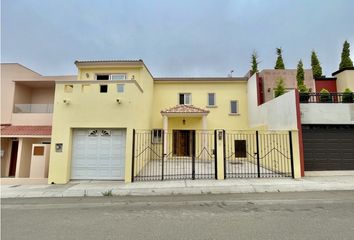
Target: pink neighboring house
[{"x": 27, "y": 100}]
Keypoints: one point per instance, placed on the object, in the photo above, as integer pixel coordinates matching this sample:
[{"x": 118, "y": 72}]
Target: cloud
[{"x": 174, "y": 38}]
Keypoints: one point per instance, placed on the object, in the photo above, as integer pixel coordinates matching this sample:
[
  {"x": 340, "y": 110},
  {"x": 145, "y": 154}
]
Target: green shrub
[
  {"x": 304, "y": 93},
  {"x": 303, "y": 89},
  {"x": 347, "y": 96},
  {"x": 325, "y": 96},
  {"x": 107, "y": 193},
  {"x": 280, "y": 88}
]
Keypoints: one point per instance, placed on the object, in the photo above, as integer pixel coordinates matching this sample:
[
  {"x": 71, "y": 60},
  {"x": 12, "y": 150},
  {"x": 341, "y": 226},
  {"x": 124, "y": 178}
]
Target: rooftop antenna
[{"x": 230, "y": 74}]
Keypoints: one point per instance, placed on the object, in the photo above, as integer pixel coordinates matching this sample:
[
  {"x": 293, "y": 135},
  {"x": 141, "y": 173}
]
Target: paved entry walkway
[
  {"x": 100, "y": 188},
  {"x": 181, "y": 168}
]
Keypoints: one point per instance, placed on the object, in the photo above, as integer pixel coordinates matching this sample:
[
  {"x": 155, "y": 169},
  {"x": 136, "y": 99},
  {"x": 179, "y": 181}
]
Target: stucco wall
[
  {"x": 5, "y": 160},
  {"x": 277, "y": 114},
  {"x": 327, "y": 113},
  {"x": 32, "y": 119},
  {"x": 345, "y": 80},
  {"x": 166, "y": 96},
  {"x": 271, "y": 76},
  {"x": 9, "y": 72},
  {"x": 24, "y": 156},
  {"x": 330, "y": 85},
  {"x": 42, "y": 95},
  {"x": 23, "y": 94}
]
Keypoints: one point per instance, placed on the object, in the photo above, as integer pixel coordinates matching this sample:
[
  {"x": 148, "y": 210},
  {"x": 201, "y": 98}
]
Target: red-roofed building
[{"x": 27, "y": 100}]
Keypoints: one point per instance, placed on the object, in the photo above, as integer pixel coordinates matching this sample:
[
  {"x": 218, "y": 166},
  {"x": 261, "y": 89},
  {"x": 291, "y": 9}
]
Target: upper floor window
[
  {"x": 233, "y": 107},
  {"x": 211, "y": 99},
  {"x": 118, "y": 76},
  {"x": 185, "y": 98},
  {"x": 103, "y": 88}
]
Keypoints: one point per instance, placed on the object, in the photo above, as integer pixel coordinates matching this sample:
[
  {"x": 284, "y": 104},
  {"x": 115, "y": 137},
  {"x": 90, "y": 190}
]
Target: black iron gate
[
  {"x": 258, "y": 154},
  {"x": 173, "y": 155}
]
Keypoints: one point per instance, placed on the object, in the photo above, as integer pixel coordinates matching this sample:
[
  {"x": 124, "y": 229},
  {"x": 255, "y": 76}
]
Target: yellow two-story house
[
  {"x": 94, "y": 117},
  {"x": 118, "y": 122}
]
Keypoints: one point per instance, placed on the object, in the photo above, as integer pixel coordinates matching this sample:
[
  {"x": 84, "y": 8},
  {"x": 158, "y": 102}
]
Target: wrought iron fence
[
  {"x": 326, "y": 98},
  {"x": 173, "y": 155},
  {"x": 192, "y": 154},
  {"x": 255, "y": 154}
]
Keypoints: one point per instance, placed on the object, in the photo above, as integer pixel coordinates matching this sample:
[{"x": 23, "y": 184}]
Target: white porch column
[
  {"x": 204, "y": 122},
  {"x": 165, "y": 129},
  {"x": 204, "y": 138}
]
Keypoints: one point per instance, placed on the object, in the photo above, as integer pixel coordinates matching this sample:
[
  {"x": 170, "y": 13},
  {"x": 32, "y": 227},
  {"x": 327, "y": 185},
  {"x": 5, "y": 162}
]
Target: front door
[
  {"x": 183, "y": 142},
  {"x": 13, "y": 159}
]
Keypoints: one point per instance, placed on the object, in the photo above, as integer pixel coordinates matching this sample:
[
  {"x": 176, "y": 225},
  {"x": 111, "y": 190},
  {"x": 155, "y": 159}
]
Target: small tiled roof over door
[
  {"x": 26, "y": 131},
  {"x": 184, "y": 109}
]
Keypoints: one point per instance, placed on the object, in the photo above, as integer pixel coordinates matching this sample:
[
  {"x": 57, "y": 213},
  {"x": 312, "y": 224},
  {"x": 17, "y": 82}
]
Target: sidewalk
[{"x": 97, "y": 188}]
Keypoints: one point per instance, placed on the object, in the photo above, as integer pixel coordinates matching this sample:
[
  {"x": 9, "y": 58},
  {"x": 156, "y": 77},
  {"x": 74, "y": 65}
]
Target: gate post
[
  {"x": 291, "y": 155},
  {"x": 193, "y": 157},
  {"x": 215, "y": 154},
  {"x": 219, "y": 145},
  {"x": 257, "y": 153},
  {"x": 133, "y": 156},
  {"x": 163, "y": 155}
]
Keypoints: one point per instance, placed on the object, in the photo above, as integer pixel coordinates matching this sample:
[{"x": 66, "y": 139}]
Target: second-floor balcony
[
  {"x": 33, "y": 108},
  {"x": 32, "y": 114},
  {"x": 327, "y": 108},
  {"x": 326, "y": 98}
]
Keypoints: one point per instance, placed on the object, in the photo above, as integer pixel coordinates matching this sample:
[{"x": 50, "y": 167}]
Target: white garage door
[{"x": 98, "y": 154}]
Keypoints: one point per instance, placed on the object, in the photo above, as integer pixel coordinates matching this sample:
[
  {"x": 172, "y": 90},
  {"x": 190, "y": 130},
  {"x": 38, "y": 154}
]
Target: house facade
[
  {"x": 115, "y": 121},
  {"x": 115, "y": 97},
  {"x": 328, "y": 125},
  {"x": 27, "y": 101}
]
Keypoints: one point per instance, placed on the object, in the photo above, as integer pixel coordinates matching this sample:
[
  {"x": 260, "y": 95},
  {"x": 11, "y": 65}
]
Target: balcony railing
[
  {"x": 326, "y": 98},
  {"x": 33, "y": 108}
]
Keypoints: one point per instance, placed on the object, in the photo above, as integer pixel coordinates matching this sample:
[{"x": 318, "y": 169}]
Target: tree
[
  {"x": 280, "y": 63},
  {"x": 347, "y": 96},
  {"x": 280, "y": 88},
  {"x": 345, "y": 61},
  {"x": 316, "y": 66},
  {"x": 300, "y": 75},
  {"x": 254, "y": 62}
]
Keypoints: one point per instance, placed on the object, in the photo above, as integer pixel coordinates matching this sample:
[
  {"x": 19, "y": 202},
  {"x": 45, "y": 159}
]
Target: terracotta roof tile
[
  {"x": 184, "y": 109},
  {"x": 26, "y": 130}
]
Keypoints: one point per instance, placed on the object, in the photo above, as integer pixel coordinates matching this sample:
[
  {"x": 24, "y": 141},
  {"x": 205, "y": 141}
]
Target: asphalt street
[{"x": 301, "y": 215}]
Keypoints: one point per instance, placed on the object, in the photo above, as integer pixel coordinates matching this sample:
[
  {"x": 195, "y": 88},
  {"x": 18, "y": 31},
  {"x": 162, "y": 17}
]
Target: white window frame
[
  {"x": 184, "y": 98},
  {"x": 110, "y": 76},
  {"x": 237, "y": 107},
  {"x": 124, "y": 76},
  {"x": 214, "y": 105},
  {"x": 156, "y": 138},
  {"x": 120, "y": 88}
]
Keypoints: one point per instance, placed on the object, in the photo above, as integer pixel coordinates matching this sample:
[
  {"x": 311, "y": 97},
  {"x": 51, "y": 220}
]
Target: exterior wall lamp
[{"x": 184, "y": 121}]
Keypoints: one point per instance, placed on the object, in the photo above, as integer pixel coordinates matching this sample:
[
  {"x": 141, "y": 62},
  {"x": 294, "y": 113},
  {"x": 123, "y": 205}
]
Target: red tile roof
[
  {"x": 184, "y": 109},
  {"x": 26, "y": 130}
]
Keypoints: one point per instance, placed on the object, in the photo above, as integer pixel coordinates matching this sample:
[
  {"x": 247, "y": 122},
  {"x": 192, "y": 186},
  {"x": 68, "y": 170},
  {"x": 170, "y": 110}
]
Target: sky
[{"x": 175, "y": 38}]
